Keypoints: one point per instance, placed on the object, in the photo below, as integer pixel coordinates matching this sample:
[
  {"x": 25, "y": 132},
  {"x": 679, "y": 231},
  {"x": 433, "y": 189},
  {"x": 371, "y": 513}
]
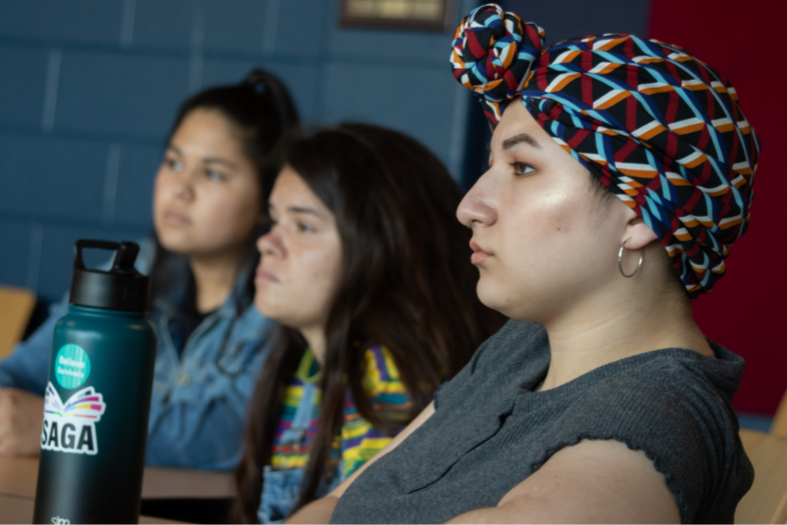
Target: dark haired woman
[
  {"x": 366, "y": 272},
  {"x": 211, "y": 340},
  {"x": 620, "y": 173}
]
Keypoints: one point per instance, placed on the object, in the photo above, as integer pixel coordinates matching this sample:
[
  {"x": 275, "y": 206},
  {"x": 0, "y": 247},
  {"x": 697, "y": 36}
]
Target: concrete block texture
[
  {"x": 236, "y": 25},
  {"x": 416, "y": 100},
  {"x": 94, "y": 21},
  {"x": 168, "y": 25},
  {"x": 22, "y": 85},
  {"x": 46, "y": 177},
  {"x": 133, "y": 201},
  {"x": 120, "y": 93},
  {"x": 562, "y": 19},
  {"x": 15, "y": 242},
  {"x": 90, "y": 88},
  {"x": 284, "y": 28}
]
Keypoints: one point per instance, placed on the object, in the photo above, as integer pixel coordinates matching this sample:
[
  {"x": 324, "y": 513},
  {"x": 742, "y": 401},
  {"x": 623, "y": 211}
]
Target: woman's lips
[
  {"x": 176, "y": 218},
  {"x": 264, "y": 276},
  {"x": 479, "y": 255}
]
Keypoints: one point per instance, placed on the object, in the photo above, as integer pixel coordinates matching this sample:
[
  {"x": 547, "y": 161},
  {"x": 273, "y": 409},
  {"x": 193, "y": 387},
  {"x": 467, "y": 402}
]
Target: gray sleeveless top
[{"x": 490, "y": 431}]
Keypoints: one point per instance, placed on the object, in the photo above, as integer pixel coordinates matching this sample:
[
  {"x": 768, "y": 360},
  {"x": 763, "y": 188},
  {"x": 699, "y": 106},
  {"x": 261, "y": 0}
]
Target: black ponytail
[{"x": 267, "y": 85}]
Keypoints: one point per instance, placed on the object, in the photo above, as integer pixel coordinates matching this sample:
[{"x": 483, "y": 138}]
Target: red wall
[{"x": 746, "y": 311}]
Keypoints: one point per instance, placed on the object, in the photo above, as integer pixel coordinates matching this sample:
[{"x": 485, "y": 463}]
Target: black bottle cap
[{"x": 120, "y": 288}]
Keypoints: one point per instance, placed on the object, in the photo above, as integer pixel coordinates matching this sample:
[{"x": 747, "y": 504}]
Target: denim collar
[{"x": 170, "y": 304}]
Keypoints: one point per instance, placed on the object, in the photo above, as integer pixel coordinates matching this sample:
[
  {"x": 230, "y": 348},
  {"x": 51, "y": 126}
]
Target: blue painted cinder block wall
[{"x": 88, "y": 89}]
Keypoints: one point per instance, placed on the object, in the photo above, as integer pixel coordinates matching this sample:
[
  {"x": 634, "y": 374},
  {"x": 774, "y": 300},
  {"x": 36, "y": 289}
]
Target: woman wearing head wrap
[{"x": 620, "y": 174}]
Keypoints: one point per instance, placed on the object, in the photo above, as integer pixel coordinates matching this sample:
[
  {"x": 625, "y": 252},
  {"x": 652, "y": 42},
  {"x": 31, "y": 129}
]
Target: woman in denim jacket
[
  {"x": 367, "y": 273},
  {"x": 211, "y": 340}
]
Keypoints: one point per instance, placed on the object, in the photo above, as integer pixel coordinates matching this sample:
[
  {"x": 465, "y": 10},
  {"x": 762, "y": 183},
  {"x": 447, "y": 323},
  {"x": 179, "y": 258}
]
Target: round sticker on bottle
[{"x": 72, "y": 366}]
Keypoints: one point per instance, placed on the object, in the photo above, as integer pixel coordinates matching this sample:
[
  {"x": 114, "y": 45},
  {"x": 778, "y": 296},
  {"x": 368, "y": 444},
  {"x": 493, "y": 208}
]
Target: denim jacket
[
  {"x": 198, "y": 406},
  {"x": 282, "y": 488}
]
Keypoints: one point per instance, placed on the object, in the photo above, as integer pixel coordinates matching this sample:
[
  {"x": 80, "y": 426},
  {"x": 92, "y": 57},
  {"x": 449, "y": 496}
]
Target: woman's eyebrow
[
  {"x": 301, "y": 209},
  {"x": 174, "y": 149},
  {"x": 219, "y": 160},
  {"x": 518, "y": 139}
]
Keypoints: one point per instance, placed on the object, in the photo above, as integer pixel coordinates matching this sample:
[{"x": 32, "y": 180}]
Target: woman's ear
[{"x": 637, "y": 234}]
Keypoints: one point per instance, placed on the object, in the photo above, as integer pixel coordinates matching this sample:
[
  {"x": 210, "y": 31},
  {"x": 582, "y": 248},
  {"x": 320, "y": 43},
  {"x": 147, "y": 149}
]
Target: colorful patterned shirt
[{"x": 359, "y": 439}]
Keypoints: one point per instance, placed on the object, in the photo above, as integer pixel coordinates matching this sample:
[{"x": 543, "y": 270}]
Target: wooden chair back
[
  {"x": 766, "y": 502},
  {"x": 16, "y": 305},
  {"x": 779, "y": 425}
]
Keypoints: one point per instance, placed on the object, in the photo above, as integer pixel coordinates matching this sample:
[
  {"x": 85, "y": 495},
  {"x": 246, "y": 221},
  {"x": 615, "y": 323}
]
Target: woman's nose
[
  {"x": 183, "y": 186},
  {"x": 476, "y": 209},
  {"x": 270, "y": 243}
]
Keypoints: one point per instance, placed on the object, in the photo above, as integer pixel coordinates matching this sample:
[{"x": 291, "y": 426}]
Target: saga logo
[{"x": 71, "y": 426}]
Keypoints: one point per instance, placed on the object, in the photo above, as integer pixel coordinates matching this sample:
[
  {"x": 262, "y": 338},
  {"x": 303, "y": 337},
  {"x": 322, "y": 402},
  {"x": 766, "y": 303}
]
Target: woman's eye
[
  {"x": 173, "y": 164},
  {"x": 215, "y": 175},
  {"x": 304, "y": 227},
  {"x": 520, "y": 168}
]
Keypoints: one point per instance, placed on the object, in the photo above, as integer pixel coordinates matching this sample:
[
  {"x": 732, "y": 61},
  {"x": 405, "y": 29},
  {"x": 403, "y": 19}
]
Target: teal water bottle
[{"x": 97, "y": 399}]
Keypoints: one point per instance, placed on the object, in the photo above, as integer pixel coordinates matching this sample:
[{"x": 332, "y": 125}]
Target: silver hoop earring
[{"x": 620, "y": 261}]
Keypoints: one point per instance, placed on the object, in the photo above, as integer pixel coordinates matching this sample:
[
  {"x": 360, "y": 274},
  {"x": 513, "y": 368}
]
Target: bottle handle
[{"x": 125, "y": 254}]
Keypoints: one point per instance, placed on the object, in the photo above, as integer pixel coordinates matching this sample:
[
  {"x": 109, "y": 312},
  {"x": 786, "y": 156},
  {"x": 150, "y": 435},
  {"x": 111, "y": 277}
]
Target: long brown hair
[{"x": 406, "y": 284}]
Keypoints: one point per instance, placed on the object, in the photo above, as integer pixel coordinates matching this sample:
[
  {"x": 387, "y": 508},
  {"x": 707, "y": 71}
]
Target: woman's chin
[
  {"x": 269, "y": 308},
  {"x": 487, "y": 293},
  {"x": 263, "y": 306},
  {"x": 496, "y": 297},
  {"x": 175, "y": 242}
]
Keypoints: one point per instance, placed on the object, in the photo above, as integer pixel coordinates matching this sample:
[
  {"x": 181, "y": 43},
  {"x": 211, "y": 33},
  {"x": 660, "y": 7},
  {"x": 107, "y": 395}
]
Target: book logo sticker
[{"x": 71, "y": 426}]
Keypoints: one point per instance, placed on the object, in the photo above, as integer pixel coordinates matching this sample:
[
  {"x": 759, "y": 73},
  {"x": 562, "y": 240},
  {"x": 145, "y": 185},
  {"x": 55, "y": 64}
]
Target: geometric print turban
[{"x": 659, "y": 128}]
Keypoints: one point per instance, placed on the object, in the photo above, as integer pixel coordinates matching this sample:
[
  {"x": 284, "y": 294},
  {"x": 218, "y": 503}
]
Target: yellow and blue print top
[{"x": 359, "y": 439}]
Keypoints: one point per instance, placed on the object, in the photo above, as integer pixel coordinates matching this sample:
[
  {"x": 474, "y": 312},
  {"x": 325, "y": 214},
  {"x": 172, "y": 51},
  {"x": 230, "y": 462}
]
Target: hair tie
[
  {"x": 256, "y": 81},
  {"x": 492, "y": 53}
]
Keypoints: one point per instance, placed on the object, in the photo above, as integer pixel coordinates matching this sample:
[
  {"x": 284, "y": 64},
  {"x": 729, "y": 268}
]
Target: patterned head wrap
[{"x": 659, "y": 128}]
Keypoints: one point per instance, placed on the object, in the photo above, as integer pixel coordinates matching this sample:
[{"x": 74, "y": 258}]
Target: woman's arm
[
  {"x": 23, "y": 377},
  {"x": 320, "y": 511},
  {"x": 27, "y": 367},
  {"x": 599, "y": 481}
]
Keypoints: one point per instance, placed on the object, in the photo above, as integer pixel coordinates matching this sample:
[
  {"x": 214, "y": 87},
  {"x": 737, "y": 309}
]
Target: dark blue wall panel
[
  {"x": 71, "y": 21},
  {"x": 563, "y": 19},
  {"x": 22, "y": 85},
  {"x": 384, "y": 46},
  {"x": 138, "y": 166},
  {"x": 163, "y": 25},
  {"x": 236, "y": 25},
  {"x": 15, "y": 238},
  {"x": 119, "y": 93},
  {"x": 89, "y": 89},
  {"x": 300, "y": 35},
  {"x": 395, "y": 95},
  {"x": 286, "y": 28},
  {"x": 52, "y": 178}
]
